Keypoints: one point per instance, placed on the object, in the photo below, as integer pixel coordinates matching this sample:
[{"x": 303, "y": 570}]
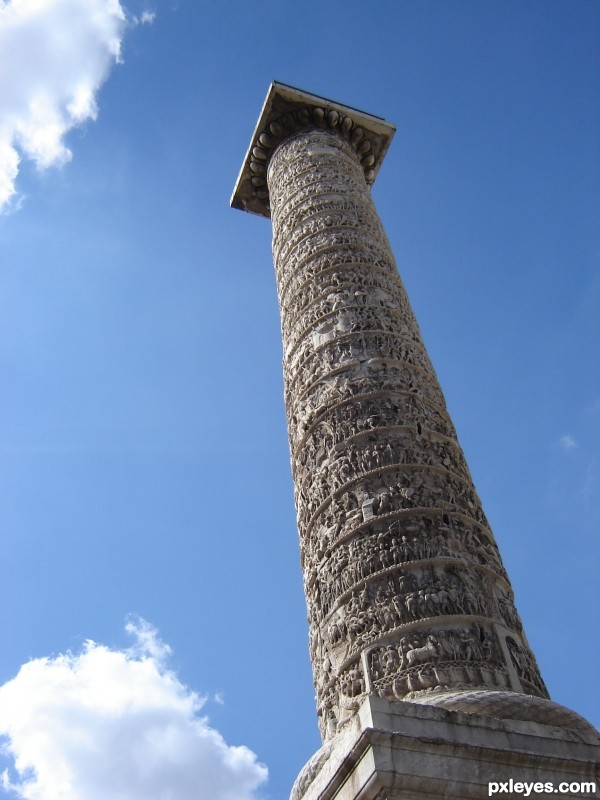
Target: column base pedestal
[{"x": 415, "y": 751}]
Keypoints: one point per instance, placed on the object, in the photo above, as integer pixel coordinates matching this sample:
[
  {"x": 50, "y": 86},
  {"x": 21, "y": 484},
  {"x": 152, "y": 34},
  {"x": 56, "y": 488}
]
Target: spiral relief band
[
  {"x": 407, "y": 596},
  {"x": 410, "y": 610},
  {"x": 425, "y": 684}
]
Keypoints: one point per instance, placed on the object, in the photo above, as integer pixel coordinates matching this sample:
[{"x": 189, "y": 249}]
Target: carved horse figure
[{"x": 419, "y": 654}]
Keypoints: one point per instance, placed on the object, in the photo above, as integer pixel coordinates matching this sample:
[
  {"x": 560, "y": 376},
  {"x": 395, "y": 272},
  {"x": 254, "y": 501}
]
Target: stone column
[
  {"x": 405, "y": 588},
  {"x": 406, "y": 593}
]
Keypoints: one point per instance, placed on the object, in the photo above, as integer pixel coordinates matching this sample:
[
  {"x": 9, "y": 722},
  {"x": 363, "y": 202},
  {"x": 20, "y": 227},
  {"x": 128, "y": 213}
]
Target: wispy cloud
[
  {"x": 116, "y": 723},
  {"x": 567, "y": 443},
  {"x": 56, "y": 54},
  {"x": 147, "y": 17}
]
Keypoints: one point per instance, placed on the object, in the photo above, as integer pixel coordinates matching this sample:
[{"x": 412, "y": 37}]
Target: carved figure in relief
[
  {"x": 525, "y": 666},
  {"x": 418, "y": 654},
  {"x": 383, "y": 493},
  {"x": 351, "y": 683}
]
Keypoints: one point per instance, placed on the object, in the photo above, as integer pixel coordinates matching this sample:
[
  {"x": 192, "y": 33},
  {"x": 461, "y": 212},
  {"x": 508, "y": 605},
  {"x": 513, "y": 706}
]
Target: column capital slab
[{"x": 288, "y": 111}]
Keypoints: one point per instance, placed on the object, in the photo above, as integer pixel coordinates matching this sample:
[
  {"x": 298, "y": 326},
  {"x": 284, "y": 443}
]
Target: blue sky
[{"x": 144, "y": 467}]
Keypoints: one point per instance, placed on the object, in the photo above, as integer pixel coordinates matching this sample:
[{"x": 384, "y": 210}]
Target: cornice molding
[{"x": 287, "y": 112}]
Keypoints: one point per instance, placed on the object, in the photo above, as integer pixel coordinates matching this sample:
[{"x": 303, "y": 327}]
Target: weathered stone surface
[
  {"x": 405, "y": 588},
  {"x": 287, "y": 110},
  {"x": 405, "y": 751},
  {"x": 407, "y": 596}
]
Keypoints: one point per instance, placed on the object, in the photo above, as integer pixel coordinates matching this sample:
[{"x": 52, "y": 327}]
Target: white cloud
[
  {"x": 145, "y": 18},
  {"x": 567, "y": 442},
  {"x": 56, "y": 54},
  {"x": 116, "y": 724}
]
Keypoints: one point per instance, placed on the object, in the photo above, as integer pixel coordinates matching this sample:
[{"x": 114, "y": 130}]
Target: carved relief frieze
[
  {"x": 401, "y": 597},
  {"x": 330, "y": 427},
  {"x": 404, "y": 585},
  {"x": 438, "y": 659},
  {"x": 368, "y": 379},
  {"x": 388, "y": 489},
  {"x": 366, "y": 451},
  {"x": 526, "y": 667},
  {"x": 345, "y": 272},
  {"x": 318, "y": 177},
  {"x": 357, "y": 141},
  {"x": 363, "y": 327},
  {"x": 335, "y": 564},
  {"x": 343, "y": 313},
  {"x": 316, "y": 265},
  {"x": 329, "y": 352},
  {"x": 332, "y": 222}
]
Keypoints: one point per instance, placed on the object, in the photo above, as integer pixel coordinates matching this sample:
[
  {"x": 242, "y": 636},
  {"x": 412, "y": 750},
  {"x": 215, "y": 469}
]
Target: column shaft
[{"x": 405, "y": 588}]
